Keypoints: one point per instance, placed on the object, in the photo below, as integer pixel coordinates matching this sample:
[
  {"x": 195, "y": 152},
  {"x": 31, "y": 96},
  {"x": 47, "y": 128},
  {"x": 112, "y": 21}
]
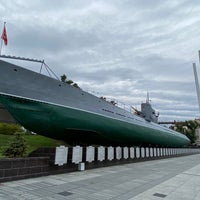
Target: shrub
[
  {"x": 9, "y": 129},
  {"x": 17, "y": 147}
]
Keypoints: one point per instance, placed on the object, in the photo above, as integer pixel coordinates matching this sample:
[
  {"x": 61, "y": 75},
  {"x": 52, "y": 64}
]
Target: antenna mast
[{"x": 147, "y": 99}]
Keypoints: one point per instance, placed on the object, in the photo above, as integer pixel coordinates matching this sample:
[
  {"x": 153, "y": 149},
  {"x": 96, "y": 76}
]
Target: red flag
[{"x": 4, "y": 36}]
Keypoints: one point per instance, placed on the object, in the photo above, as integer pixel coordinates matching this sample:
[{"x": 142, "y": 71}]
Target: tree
[
  {"x": 113, "y": 102},
  {"x": 187, "y": 128},
  {"x": 64, "y": 79},
  {"x": 103, "y": 98},
  {"x": 17, "y": 147},
  {"x": 69, "y": 82},
  {"x": 76, "y": 85}
]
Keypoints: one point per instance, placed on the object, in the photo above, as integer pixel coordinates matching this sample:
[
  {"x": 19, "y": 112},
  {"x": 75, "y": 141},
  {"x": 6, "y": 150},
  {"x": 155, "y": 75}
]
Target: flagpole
[{"x": 1, "y": 46}]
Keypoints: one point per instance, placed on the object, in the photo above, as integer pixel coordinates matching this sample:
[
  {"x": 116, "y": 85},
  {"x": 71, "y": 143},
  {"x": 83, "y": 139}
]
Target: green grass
[{"x": 33, "y": 142}]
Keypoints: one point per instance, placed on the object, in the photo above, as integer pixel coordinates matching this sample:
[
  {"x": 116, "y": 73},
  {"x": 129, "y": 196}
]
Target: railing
[
  {"x": 118, "y": 104},
  {"x": 48, "y": 69}
]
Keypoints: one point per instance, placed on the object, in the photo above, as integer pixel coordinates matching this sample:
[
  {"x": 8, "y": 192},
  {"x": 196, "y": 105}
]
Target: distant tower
[
  {"x": 196, "y": 83},
  {"x": 197, "y": 80}
]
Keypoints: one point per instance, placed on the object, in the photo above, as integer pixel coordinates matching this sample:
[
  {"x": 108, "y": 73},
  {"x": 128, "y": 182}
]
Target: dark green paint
[{"x": 76, "y": 127}]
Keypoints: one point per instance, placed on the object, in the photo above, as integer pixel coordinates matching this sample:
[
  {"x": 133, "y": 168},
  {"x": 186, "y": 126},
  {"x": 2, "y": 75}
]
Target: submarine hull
[{"x": 58, "y": 110}]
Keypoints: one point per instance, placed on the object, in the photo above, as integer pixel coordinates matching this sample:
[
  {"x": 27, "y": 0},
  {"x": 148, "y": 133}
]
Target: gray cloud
[{"x": 115, "y": 48}]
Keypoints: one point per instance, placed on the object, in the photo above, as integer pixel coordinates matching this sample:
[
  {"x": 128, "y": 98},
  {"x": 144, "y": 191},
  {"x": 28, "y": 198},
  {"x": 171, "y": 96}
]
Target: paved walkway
[{"x": 167, "y": 179}]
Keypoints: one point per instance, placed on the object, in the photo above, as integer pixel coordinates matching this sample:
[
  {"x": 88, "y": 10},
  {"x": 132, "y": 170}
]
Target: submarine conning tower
[{"x": 147, "y": 112}]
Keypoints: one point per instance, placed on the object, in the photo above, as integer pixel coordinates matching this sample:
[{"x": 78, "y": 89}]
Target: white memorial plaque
[
  {"x": 101, "y": 153},
  {"x": 132, "y": 152},
  {"x": 147, "y": 152},
  {"x": 163, "y": 151},
  {"x": 180, "y": 151},
  {"x": 172, "y": 151},
  {"x": 158, "y": 152},
  {"x": 125, "y": 153},
  {"x": 61, "y": 155},
  {"x": 142, "y": 152},
  {"x": 137, "y": 152},
  {"x": 169, "y": 151},
  {"x": 183, "y": 151},
  {"x": 175, "y": 152},
  {"x": 161, "y": 154},
  {"x": 166, "y": 151},
  {"x": 118, "y": 153},
  {"x": 90, "y": 154},
  {"x": 110, "y": 153},
  {"x": 77, "y": 152},
  {"x": 154, "y": 152},
  {"x": 151, "y": 152}
]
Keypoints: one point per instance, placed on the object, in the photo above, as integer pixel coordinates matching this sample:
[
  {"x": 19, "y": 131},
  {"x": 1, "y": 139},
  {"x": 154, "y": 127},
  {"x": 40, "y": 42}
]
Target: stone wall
[
  {"x": 45, "y": 161},
  {"x": 20, "y": 168}
]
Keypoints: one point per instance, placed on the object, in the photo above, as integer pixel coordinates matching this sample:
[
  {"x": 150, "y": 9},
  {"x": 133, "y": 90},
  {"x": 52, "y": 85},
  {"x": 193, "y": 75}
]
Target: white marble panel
[
  {"x": 125, "y": 153},
  {"x": 170, "y": 151},
  {"x": 118, "y": 153},
  {"x": 110, "y": 153},
  {"x": 137, "y": 152},
  {"x": 166, "y": 152},
  {"x": 77, "y": 153},
  {"x": 89, "y": 154},
  {"x": 147, "y": 152},
  {"x": 132, "y": 152},
  {"x": 174, "y": 151},
  {"x": 158, "y": 152},
  {"x": 151, "y": 152},
  {"x": 161, "y": 151},
  {"x": 142, "y": 152},
  {"x": 61, "y": 155},
  {"x": 154, "y": 152},
  {"x": 177, "y": 151},
  {"x": 101, "y": 153}
]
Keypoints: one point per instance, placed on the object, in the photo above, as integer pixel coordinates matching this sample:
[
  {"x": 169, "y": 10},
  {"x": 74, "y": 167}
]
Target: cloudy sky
[{"x": 114, "y": 48}]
